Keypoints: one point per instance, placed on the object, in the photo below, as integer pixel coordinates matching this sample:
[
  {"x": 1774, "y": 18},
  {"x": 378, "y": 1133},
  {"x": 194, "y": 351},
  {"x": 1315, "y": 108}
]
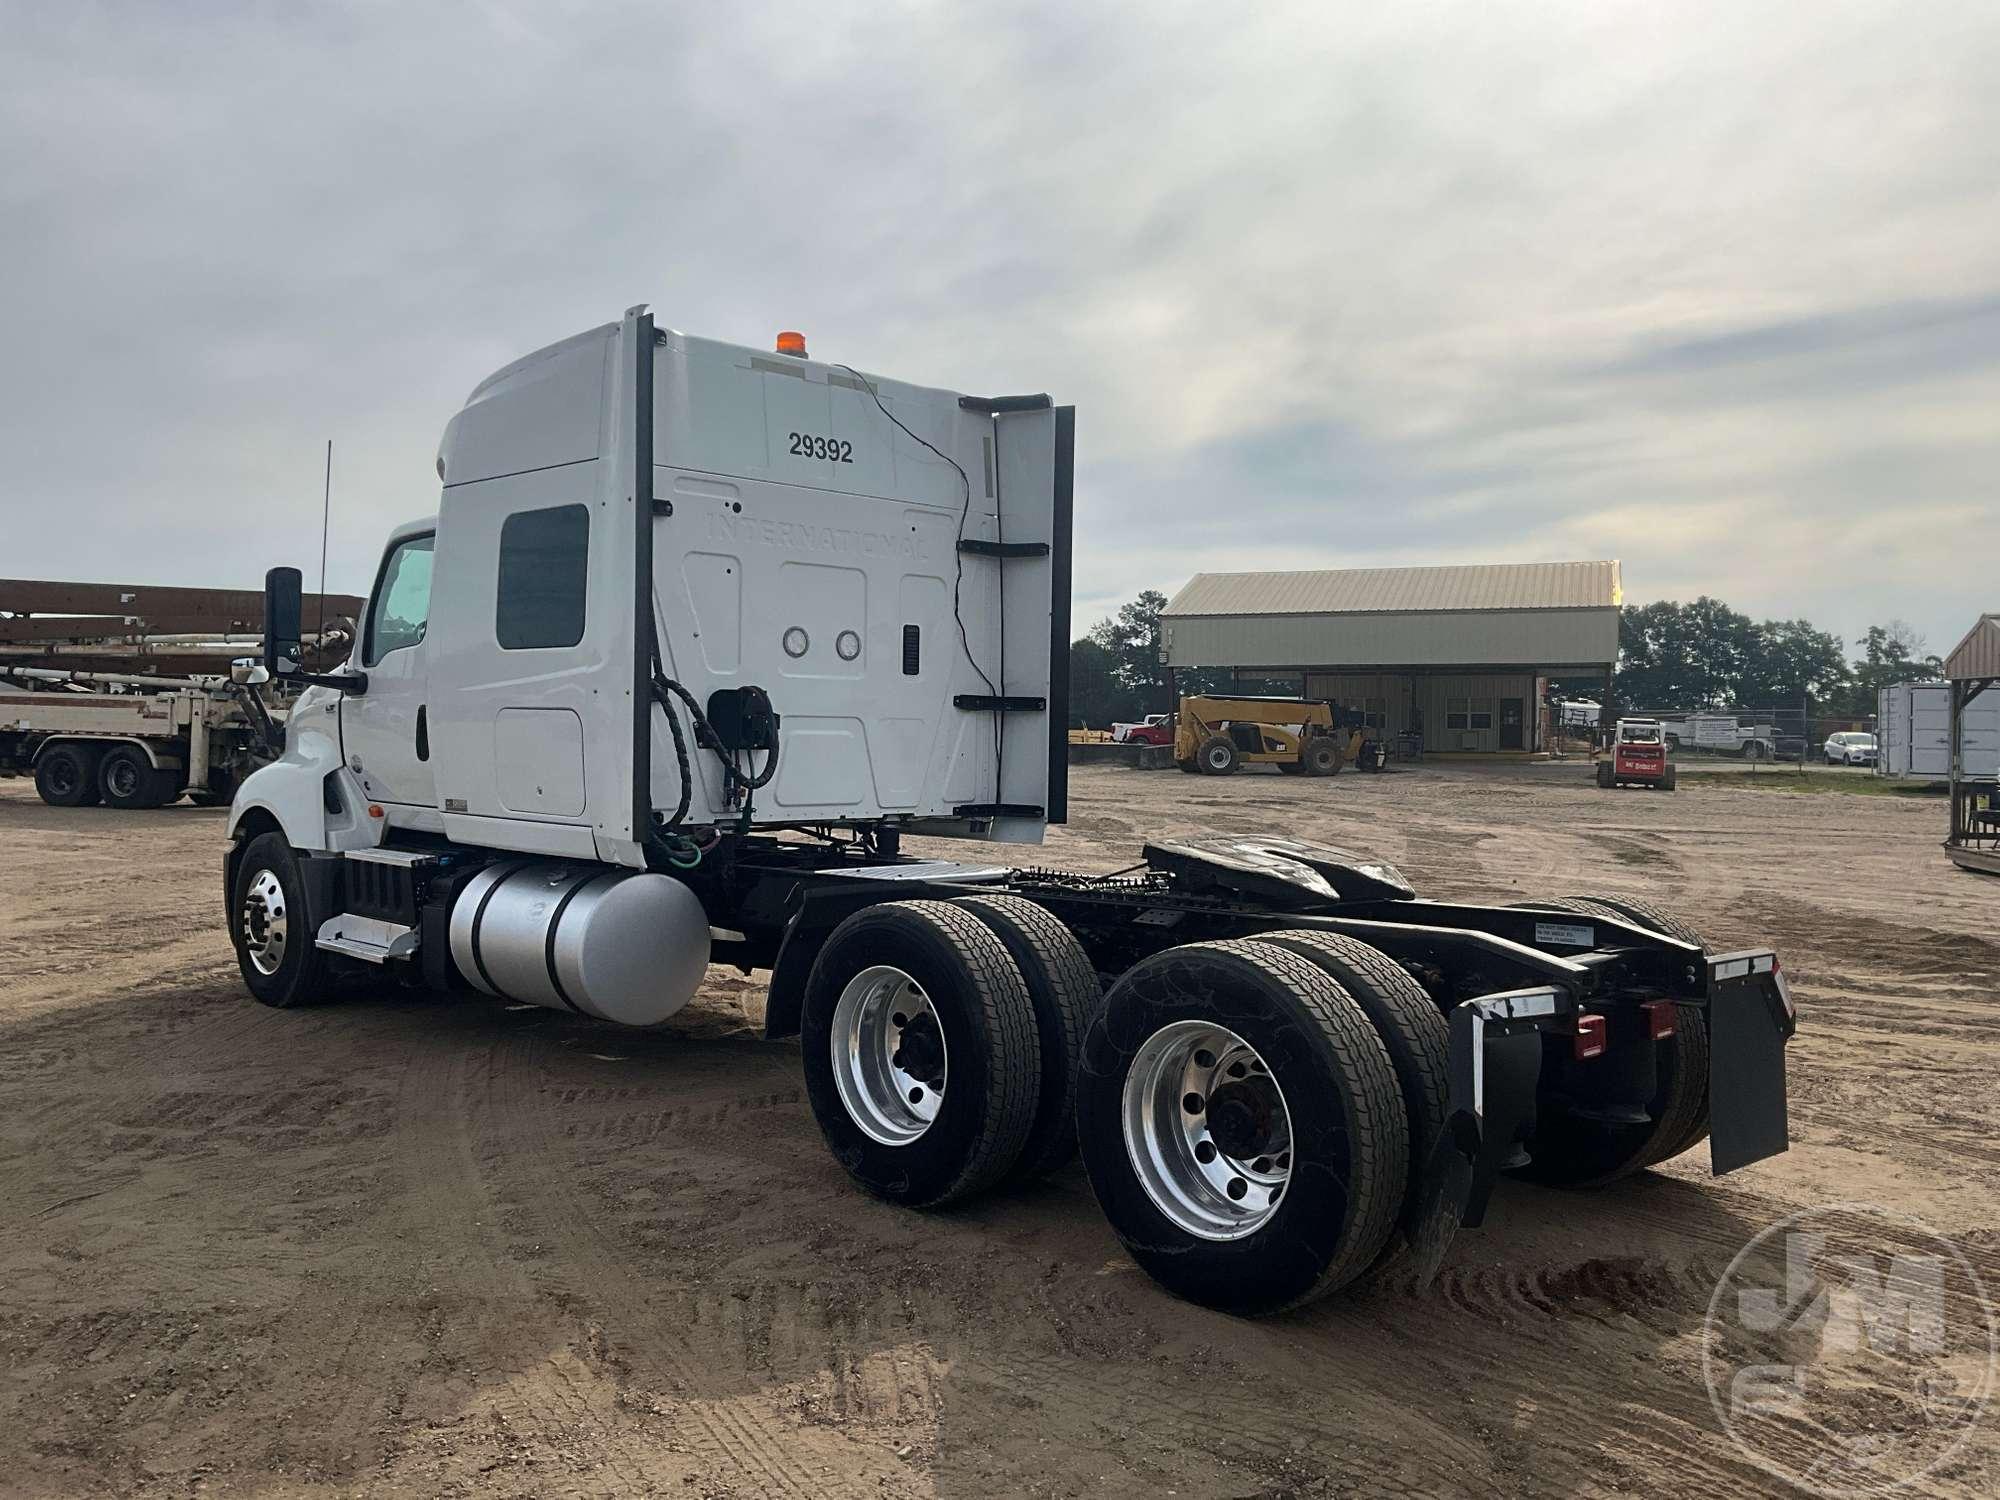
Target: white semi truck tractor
[{"x": 700, "y": 632}]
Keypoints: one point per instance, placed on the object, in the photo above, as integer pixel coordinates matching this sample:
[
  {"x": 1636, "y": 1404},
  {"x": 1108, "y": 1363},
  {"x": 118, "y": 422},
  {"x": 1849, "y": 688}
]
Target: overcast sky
[{"x": 1712, "y": 289}]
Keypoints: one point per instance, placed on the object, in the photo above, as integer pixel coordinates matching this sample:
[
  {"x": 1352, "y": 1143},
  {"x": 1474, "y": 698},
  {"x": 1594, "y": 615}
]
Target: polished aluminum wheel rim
[
  {"x": 1207, "y": 1130},
  {"x": 265, "y": 929},
  {"x": 889, "y": 1059}
]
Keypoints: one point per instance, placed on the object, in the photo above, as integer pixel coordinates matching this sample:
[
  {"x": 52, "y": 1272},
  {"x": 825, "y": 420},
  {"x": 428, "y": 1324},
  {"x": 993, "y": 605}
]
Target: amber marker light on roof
[{"x": 793, "y": 344}]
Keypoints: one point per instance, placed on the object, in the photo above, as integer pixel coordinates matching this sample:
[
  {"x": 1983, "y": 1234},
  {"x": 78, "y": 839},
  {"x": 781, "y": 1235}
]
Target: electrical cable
[{"x": 958, "y": 557}]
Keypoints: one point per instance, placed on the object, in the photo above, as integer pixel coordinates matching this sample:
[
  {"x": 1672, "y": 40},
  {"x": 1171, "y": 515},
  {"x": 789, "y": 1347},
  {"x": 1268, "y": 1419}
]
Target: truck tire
[
  {"x": 1590, "y": 1153},
  {"x": 1689, "y": 1023},
  {"x": 220, "y": 791},
  {"x": 1217, "y": 756},
  {"x": 1604, "y": 773},
  {"x": 1321, "y": 758},
  {"x": 1414, "y": 1034},
  {"x": 1063, "y": 988},
  {"x": 1241, "y": 1126},
  {"x": 921, "y": 1060},
  {"x": 126, "y": 779},
  {"x": 271, "y": 926},
  {"x": 66, "y": 775},
  {"x": 1667, "y": 779}
]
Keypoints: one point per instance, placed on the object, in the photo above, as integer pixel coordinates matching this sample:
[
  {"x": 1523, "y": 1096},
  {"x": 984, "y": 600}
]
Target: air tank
[{"x": 620, "y": 945}]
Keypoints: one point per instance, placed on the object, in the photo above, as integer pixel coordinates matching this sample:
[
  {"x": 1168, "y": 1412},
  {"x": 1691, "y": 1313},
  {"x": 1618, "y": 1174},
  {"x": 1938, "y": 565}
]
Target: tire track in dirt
[{"x": 731, "y": 1431}]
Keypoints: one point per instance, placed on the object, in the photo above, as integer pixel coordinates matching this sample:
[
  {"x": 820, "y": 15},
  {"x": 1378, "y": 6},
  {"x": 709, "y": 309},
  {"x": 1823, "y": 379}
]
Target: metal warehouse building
[{"x": 1460, "y": 655}]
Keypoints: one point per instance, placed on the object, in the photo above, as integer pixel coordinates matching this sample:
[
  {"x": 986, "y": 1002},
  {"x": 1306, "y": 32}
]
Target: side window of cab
[{"x": 401, "y": 606}]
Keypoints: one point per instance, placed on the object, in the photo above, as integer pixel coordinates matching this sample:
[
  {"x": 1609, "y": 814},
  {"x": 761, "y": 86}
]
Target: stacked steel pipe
[{"x": 155, "y": 631}]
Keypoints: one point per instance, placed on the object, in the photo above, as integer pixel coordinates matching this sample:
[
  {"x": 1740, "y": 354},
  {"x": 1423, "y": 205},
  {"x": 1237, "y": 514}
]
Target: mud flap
[
  {"x": 1496, "y": 1065},
  {"x": 1750, "y": 1019}
]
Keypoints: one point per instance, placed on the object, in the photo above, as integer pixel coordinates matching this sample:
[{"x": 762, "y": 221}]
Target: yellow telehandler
[{"x": 1215, "y": 735}]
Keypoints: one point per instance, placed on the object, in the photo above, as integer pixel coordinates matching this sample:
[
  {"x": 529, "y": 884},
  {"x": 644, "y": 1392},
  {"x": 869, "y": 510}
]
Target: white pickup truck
[{"x": 1722, "y": 734}]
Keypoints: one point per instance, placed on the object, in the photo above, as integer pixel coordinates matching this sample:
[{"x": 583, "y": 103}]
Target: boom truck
[
  {"x": 700, "y": 633},
  {"x": 129, "y": 741}
]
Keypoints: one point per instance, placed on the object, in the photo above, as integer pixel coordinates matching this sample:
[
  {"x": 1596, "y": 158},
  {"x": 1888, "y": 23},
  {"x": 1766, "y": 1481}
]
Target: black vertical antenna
[{"x": 325, "y": 514}]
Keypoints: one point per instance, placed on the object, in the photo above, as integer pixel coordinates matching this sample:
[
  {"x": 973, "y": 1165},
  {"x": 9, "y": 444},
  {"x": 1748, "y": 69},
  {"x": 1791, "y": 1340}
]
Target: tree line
[
  {"x": 1670, "y": 656},
  {"x": 1707, "y": 655}
]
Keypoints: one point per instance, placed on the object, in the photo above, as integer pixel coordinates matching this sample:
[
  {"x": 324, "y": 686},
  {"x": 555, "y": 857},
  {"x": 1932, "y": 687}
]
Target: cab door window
[{"x": 402, "y": 603}]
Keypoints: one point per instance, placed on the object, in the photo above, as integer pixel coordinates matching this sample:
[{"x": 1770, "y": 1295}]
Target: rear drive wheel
[
  {"x": 272, "y": 928},
  {"x": 921, "y": 1059},
  {"x": 1062, "y": 986},
  {"x": 1570, "y": 1149},
  {"x": 1241, "y": 1125},
  {"x": 1414, "y": 1033},
  {"x": 66, "y": 775},
  {"x": 127, "y": 779},
  {"x": 1217, "y": 755},
  {"x": 1322, "y": 757}
]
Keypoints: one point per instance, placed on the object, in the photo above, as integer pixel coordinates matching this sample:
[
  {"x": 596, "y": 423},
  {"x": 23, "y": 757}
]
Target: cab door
[{"x": 385, "y": 731}]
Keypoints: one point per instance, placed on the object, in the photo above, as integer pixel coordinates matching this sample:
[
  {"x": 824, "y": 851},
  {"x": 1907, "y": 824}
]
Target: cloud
[{"x": 1708, "y": 288}]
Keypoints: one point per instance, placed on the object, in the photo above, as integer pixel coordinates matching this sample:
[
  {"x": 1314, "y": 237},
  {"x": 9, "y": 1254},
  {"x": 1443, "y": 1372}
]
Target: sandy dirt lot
[{"x": 404, "y": 1246}]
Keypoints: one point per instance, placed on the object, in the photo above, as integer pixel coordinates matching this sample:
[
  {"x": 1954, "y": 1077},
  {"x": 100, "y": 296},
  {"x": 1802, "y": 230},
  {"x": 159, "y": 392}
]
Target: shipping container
[{"x": 1913, "y": 728}]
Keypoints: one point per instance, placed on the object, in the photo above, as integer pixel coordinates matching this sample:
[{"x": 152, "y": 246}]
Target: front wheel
[
  {"x": 1242, "y": 1126},
  {"x": 921, "y": 1058},
  {"x": 271, "y": 927},
  {"x": 1217, "y": 756}
]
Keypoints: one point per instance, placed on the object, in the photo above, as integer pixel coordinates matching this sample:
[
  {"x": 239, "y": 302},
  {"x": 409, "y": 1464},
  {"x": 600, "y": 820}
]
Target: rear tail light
[
  {"x": 1661, "y": 1019},
  {"x": 1589, "y": 1041}
]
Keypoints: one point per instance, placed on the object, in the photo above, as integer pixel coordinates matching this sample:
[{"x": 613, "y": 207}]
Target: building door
[{"x": 1510, "y": 724}]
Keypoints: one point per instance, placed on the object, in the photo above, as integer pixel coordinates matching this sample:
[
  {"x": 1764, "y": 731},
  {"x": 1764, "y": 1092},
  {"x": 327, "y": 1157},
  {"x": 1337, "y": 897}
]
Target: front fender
[{"x": 291, "y": 789}]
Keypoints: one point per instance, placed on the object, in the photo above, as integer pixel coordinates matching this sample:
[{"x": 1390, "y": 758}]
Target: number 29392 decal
[{"x": 833, "y": 450}]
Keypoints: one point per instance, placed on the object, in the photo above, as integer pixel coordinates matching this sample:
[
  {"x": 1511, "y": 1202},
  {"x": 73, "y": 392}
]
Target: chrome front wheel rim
[
  {"x": 889, "y": 1058},
  {"x": 1207, "y": 1130},
  {"x": 266, "y": 929}
]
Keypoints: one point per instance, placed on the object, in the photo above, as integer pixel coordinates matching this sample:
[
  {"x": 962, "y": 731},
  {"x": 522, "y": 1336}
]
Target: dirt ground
[{"x": 405, "y": 1246}]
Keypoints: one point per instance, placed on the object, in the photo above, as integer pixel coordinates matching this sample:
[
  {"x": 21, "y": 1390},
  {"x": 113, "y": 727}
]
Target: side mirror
[
  {"x": 284, "y": 609},
  {"x": 247, "y": 671}
]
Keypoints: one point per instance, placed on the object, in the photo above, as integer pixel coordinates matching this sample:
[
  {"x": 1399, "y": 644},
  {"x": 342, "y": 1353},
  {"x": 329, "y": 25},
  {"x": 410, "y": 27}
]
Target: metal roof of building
[
  {"x": 1978, "y": 655},
  {"x": 1559, "y": 585}
]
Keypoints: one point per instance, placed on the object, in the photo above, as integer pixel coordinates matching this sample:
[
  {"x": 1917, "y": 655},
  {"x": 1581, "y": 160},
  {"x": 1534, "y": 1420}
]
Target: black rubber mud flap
[
  {"x": 1750, "y": 1019},
  {"x": 1496, "y": 1066}
]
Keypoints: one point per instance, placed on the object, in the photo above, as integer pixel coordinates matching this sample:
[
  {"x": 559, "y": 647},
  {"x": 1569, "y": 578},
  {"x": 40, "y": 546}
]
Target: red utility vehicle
[{"x": 1638, "y": 757}]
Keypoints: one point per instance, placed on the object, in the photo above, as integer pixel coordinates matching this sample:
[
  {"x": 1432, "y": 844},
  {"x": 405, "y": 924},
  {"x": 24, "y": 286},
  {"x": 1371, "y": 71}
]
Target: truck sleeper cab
[{"x": 699, "y": 633}]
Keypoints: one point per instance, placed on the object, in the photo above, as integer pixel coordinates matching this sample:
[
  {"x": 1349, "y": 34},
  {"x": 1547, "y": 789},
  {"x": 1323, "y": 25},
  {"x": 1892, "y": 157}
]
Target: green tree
[
  {"x": 1788, "y": 661},
  {"x": 1681, "y": 656},
  {"x": 1132, "y": 640},
  {"x": 1890, "y": 654},
  {"x": 1097, "y": 697}
]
